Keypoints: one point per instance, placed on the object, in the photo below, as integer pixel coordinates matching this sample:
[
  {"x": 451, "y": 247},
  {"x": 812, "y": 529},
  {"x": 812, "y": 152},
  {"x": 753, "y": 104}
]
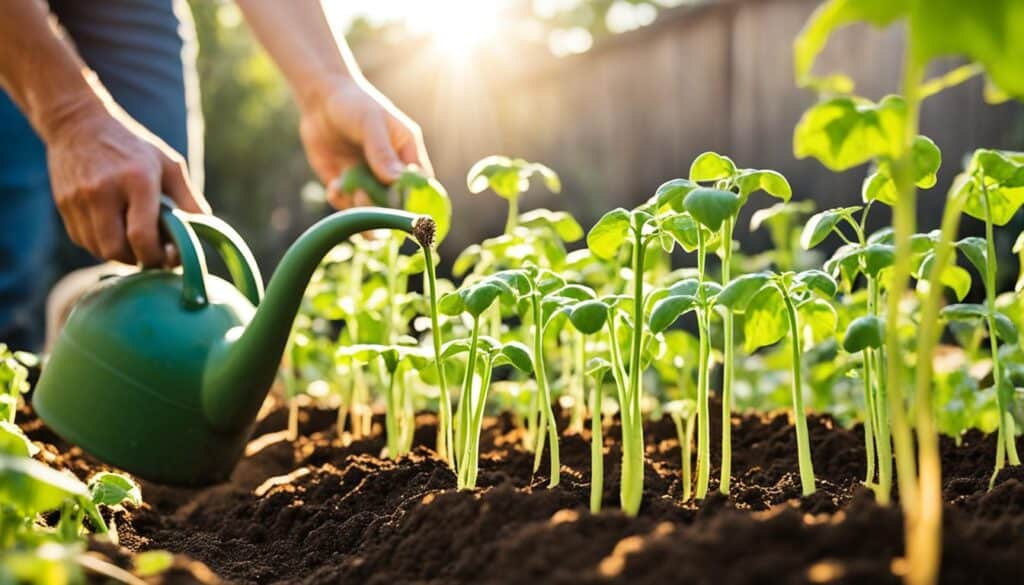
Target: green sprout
[
  {"x": 775, "y": 305},
  {"x": 509, "y": 178},
  {"x": 683, "y": 413}
]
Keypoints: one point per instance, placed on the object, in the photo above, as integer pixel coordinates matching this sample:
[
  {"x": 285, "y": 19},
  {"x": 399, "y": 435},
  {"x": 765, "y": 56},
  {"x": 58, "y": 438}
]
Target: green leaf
[
  {"x": 711, "y": 207},
  {"x": 954, "y": 277},
  {"x": 597, "y": 368},
  {"x": 508, "y": 177},
  {"x": 114, "y": 489},
  {"x": 14, "y": 442},
  {"x": 671, "y": 194},
  {"x": 835, "y": 14},
  {"x": 683, "y": 229},
  {"x": 1003, "y": 180},
  {"x": 819, "y": 281},
  {"x": 577, "y": 292},
  {"x": 926, "y": 160},
  {"x": 711, "y": 166},
  {"x": 560, "y": 222},
  {"x": 771, "y": 182},
  {"x": 821, "y": 224},
  {"x": 668, "y": 309},
  {"x": 451, "y": 304},
  {"x": 515, "y": 354},
  {"x": 846, "y": 132},
  {"x": 863, "y": 333},
  {"x": 737, "y": 294},
  {"x": 151, "y": 563},
  {"x": 819, "y": 317},
  {"x": 589, "y": 317},
  {"x": 765, "y": 319},
  {"x": 1005, "y": 329},
  {"x": 360, "y": 178},
  {"x": 479, "y": 297},
  {"x": 609, "y": 234},
  {"x": 878, "y": 257},
  {"x": 426, "y": 196},
  {"x": 975, "y": 249},
  {"x": 31, "y": 487}
]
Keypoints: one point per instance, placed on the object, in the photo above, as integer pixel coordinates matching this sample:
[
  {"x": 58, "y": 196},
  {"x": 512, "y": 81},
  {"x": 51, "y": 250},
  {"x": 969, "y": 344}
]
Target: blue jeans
[{"x": 144, "y": 53}]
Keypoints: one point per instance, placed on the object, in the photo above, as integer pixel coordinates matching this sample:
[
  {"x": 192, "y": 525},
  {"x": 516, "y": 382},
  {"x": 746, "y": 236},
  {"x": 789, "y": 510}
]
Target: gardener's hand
[
  {"x": 107, "y": 173},
  {"x": 345, "y": 120}
]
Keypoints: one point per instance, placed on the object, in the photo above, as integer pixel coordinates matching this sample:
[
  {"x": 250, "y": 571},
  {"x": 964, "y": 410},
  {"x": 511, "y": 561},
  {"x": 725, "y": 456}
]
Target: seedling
[
  {"x": 775, "y": 305},
  {"x": 717, "y": 210},
  {"x": 597, "y": 368},
  {"x": 509, "y": 178},
  {"x": 683, "y": 413}
]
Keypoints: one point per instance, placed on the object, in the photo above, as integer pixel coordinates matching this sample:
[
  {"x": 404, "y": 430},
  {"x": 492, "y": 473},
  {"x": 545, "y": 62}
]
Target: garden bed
[{"x": 320, "y": 511}]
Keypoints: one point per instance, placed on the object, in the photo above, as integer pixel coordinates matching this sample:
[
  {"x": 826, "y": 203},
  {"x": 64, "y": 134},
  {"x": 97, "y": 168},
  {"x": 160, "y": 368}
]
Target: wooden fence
[{"x": 633, "y": 111}]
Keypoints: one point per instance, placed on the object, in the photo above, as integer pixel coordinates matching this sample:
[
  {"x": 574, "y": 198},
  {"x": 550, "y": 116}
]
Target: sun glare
[{"x": 456, "y": 27}]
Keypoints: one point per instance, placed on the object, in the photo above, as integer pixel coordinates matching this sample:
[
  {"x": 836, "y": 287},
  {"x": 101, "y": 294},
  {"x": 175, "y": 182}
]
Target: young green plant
[
  {"x": 717, "y": 209},
  {"x": 775, "y": 305},
  {"x": 509, "y": 178}
]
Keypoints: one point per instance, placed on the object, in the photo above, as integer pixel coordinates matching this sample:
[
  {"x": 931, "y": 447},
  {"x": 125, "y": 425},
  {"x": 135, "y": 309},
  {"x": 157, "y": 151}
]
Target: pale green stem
[
  {"x": 545, "y": 392},
  {"x": 729, "y": 357},
  {"x": 445, "y": 434},
  {"x": 803, "y": 444},
  {"x": 466, "y": 398},
  {"x": 633, "y": 483},
  {"x": 703, "y": 408}
]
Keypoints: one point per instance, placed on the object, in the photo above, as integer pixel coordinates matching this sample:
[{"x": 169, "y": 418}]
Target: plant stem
[
  {"x": 703, "y": 408},
  {"x": 596, "y": 446},
  {"x": 633, "y": 481},
  {"x": 578, "y": 382},
  {"x": 391, "y": 418},
  {"x": 466, "y": 397},
  {"x": 803, "y": 446},
  {"x": 729, "y": 358},
  {"x": 471, "y": 458},
  {"x": 869, "y": 409},
  {"x": 883, "y": 435},
  {"x": 513, "y": 214},
  {"x": 1007, "y": 432},
  {"x": 444, "y": 431},
  {"x": 544, "y": 391}
]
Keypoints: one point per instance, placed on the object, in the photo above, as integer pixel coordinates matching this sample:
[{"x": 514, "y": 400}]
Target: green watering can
[{"x": 162, "y": 372}]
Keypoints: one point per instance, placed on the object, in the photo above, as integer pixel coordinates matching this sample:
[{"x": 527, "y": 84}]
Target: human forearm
[
  {"x": 41, "y": 71},
  {"x": 302, "y": 43}
]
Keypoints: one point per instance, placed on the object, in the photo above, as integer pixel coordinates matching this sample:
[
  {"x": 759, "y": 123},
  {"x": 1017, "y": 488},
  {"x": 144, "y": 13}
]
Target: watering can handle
[{"x": 185, "y": 230}]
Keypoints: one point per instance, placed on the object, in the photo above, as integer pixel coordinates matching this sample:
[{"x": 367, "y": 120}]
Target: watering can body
[{"x": 162, "y": 372}]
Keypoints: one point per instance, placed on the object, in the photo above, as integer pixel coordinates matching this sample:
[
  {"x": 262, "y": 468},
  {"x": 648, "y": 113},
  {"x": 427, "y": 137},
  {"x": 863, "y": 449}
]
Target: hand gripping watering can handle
[{"x": 185, "y": 230}]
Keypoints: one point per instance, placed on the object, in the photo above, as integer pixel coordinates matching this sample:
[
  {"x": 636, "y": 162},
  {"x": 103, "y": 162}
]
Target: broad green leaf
[
  {"x": 114, "y": 489},
  {"x": 589, "y": 317},
  {"x": 863, "y": 333},
  {"x": 819, "y": 317},
  {"x": 671, "y": 194},
  {"x": 683, "y": 229},
  {"x": 711, "y": 207},
  {"x": 686, "y": 287},
  {"x": 711, "y": 166},
  {"x": 954, "y": 277},
  {"x": 975, "y": 249},
  {"x": 821, "y": 224},
  {"x": 771, "y": 182},
  {"x": 426, "y": 196},
  {"x": 14, "y": 442},
  {"x": 482, "y": 295},
  {"x": 835, "y": 14},
  {"x": 508, "y": 177},
  {"x": 818, "y": 281},
  {"x": 560, "y": 222},
  {"x": 32, "y": 487},
  {"x": 515, "y": 354},
  {"x": 451, "y": 304},
  {"x": 765, "y": 319},
  {"x": 668, "y": 309},
  {"x": 780, "y": 212},
  {"x": 970, "y": 312},
  {"x": 609, "y": 234},
  {"x": 878, "y": 257},
  {"x": 454, "y": 347},
  {"x": 737, "y": 294},
  {"x": 926, "y": 160},
  {"x": 846, "y": 132},
  {"x": 577, "y": 292}
]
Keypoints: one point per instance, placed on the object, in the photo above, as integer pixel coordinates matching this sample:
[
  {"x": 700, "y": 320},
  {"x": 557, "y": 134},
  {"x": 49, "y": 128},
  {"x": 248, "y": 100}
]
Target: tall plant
[{"x": 845, "y": 132}]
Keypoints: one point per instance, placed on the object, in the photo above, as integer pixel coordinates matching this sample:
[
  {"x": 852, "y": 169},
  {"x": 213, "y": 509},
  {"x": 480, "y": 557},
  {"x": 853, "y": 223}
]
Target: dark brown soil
[{"x": 339, "y": 514}]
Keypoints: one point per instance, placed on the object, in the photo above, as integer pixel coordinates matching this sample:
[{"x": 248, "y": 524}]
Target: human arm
[
  {"x": 106, "y": 170},
  {"x": 344, "y": 119}
]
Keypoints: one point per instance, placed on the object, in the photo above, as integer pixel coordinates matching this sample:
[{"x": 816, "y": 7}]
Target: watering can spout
[{"x": 242, "y": 367}]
